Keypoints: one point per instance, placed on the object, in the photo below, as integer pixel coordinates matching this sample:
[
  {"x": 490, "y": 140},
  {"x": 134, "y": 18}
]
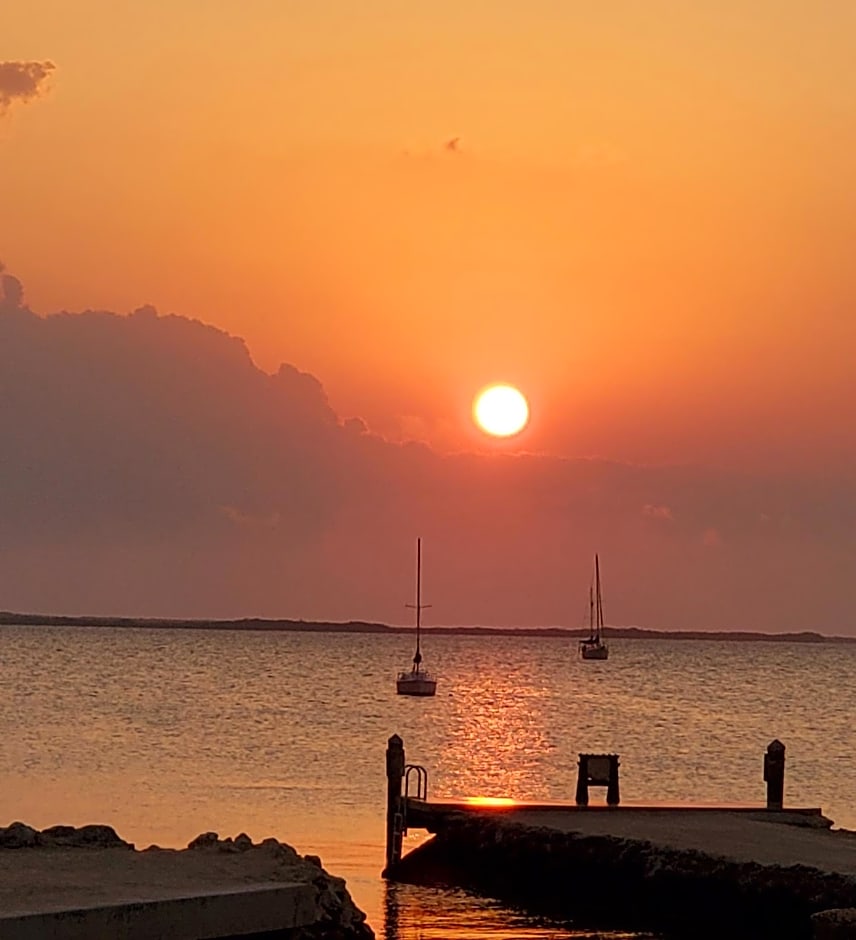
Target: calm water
[{"x": 166, "y": 734}]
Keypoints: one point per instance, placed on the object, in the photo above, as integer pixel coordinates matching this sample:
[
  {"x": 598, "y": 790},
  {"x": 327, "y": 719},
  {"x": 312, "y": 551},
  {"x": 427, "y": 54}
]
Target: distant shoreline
[{"x": 10, "y": 619}]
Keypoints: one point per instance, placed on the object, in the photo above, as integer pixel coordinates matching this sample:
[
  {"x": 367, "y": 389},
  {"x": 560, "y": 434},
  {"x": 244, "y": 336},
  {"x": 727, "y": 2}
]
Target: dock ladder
[{"x": 421, "y": 775}]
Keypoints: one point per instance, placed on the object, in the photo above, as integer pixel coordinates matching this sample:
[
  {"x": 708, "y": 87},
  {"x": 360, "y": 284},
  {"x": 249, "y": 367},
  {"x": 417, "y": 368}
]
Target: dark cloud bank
[{"x": 149, "y": 468}]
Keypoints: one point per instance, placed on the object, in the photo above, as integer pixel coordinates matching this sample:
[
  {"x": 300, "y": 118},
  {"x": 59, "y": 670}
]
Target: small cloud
[
  {"x": 449, "y": 148},
  {"x": 711, "y": 538},
  {"x": 22, "y": 81},
  {"x": 653, "y": 511}
]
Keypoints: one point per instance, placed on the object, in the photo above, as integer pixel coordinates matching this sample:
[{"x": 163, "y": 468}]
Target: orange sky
[{"x": 647, "y": 221}]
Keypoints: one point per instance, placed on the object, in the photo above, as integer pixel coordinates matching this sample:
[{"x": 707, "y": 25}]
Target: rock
[
  {"x": 338, "y": 917},
  {"x": 205, "y": 840},
  {"x": 57, "y": 835},
  {"x": 91, "y": 836},
  {"x": 99, "y": 837},
  {"x": 18, "y": 835},
  {"x": 835, "y": 924},
  {"x": 243, "y": 842},
  {"x": 278, "y": 849}
]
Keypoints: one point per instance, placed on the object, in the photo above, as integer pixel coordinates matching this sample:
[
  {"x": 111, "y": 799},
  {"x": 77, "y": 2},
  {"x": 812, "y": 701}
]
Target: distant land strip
[{"x": 8, "y": 618}]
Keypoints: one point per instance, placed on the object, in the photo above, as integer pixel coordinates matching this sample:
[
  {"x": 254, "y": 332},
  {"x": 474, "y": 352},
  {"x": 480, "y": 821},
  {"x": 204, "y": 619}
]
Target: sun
[{"x": 501, "y": 410}]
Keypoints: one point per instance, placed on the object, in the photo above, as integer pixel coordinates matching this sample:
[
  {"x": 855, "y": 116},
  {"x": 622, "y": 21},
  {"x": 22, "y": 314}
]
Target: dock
[
  {"x": 762, "y": 870},
  {"x": 87, "y": 884},
  {"x": 200, "y": 915}
]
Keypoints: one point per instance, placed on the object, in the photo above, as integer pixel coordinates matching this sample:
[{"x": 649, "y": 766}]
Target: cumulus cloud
[
  {"x": 22, "y": 82},
  {"x": 11, "y": 291},
  {"x": 148, "y": 467}
]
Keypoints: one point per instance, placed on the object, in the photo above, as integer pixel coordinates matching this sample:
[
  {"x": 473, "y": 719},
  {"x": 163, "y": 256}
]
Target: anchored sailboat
[
  {"x": 594, "y": 647},
  {"x": 417, "y": 681}
]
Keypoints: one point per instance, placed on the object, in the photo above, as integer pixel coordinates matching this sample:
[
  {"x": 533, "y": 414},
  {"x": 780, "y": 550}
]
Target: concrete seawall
[
  {"x": 702, "y": 874},
  {"x": 69, "y": 884},
  {"x": 242, "y": 912}
]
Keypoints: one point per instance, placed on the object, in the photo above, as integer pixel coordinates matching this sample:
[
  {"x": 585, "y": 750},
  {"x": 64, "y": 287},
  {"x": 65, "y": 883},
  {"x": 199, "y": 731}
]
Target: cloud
[
  {"x": 22, "y": 82},
  {"x": 150, "y": 468},
  {"x": 11, "y": 292}
]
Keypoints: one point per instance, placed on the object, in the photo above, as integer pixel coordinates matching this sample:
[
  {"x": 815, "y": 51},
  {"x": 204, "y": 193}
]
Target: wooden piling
[
  {"x": 394, "y": 815},
  {"x": 774, "y": 774}
]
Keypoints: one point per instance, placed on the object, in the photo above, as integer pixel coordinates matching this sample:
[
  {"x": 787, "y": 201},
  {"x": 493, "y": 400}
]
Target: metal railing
[{"x": 421, "y": 781}]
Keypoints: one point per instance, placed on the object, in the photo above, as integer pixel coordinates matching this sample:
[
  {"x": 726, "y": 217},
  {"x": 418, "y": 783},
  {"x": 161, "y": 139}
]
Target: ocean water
[{"x": 165, "y": 734}]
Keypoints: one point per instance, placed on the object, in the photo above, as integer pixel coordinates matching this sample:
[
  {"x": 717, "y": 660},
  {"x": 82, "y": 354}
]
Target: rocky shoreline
[
  {"x": 630, "y": 883},
  {"x": 66, "y": 868}
]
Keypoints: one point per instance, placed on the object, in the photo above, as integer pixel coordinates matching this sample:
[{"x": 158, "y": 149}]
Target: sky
[{"x": 640, "y": 213}]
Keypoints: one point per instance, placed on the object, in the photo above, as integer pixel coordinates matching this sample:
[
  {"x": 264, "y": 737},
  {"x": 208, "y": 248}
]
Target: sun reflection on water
[
  {"x": 499, "y": 748},
  {"x": 420, "y": 913}
]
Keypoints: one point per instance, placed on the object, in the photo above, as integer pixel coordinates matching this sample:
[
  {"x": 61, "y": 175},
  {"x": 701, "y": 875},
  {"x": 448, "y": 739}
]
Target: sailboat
[
  {"x": 593, "y": 646},
  {"x": 417, "y": 681}
]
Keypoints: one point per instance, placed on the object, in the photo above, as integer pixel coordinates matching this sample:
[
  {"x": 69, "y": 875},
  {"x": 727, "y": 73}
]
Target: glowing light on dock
[{"x": 490, "y": 801}]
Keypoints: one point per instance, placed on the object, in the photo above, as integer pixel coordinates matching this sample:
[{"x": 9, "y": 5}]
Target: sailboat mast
[
  {"x": 591, "y": 610},
  {"x": 418, "y": 595},
  {"x": 599, "y": 601}
]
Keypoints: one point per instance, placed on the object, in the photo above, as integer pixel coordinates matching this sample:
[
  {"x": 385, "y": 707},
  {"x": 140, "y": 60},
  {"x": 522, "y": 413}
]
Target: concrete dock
[
  {"x": 700, "y": 873},
  {"x": 749, "y": 871},
  {"x": 67, "y": 884},
  {"x": 201, "y": 915},
  {"x": 798, "y": 836}
]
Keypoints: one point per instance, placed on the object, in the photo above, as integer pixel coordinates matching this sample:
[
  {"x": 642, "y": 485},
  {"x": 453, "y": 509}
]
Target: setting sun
[{"x": 501, "y": 410}]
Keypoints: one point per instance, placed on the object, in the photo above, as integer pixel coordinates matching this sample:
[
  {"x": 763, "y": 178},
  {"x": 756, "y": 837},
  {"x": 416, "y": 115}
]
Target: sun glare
[
  {"x": 490, "y": 801},
  {"x": 501, "y": 410}
]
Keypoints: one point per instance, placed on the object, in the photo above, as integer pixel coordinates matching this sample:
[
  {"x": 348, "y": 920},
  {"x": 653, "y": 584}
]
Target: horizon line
[{"x": 12, "y": 618}]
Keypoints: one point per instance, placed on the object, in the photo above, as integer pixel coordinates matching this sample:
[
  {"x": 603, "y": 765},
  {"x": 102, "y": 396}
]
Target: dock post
[
  {"x": 613, "y": 797},
  {"x": 394, "y": 777},
  {"x": 774, "y": 774},
  {"x": 582, "y": 781}
]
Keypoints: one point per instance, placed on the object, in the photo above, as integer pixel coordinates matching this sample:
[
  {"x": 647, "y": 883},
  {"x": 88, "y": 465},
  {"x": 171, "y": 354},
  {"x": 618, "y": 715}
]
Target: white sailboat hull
[{"x": 416, "y": 683}]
